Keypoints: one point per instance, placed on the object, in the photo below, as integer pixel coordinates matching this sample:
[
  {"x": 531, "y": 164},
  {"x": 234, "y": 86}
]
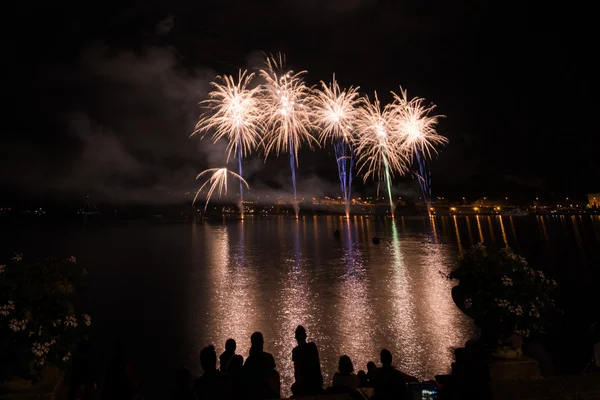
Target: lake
[{"x": 167, "y": 290}]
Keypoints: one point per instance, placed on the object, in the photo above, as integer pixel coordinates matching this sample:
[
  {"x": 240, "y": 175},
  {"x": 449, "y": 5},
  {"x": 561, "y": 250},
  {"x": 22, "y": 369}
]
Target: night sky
[{"x": 100, "y": 97}]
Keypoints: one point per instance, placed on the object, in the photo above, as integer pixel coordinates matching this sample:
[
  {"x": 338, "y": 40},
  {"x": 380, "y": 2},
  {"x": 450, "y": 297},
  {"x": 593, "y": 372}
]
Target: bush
[
  {"x": 501, "y": 283},
  {"x": 38, "y": 323}
]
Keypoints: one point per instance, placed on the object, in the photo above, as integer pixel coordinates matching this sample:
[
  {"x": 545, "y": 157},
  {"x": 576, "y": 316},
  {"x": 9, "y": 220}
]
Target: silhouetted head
[
  {"x": 345, "y": 365},
  {"x": 363, "y": 377},
  {"x": 230, "y": 345},
  {"x": 386, "y": 357},
  {"x": 257, "y": 342},
  {"x": 208, "y": 359},
  {"x": 300, "y": 334},
  {"x": 371, "y": 366},
  {"x": 183, "y": 377}
]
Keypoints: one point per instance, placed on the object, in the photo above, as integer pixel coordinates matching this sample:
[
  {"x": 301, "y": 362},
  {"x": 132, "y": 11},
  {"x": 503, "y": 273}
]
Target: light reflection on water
[
  {"x": 353, "y": 297},
  {"x": 174, "y": 288}
]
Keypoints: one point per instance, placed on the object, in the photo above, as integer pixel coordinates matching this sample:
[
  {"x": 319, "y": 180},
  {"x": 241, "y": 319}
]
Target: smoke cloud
[{"x": 128, "y": 129}]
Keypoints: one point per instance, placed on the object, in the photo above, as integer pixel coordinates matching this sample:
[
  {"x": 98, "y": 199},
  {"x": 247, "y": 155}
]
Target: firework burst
[
  {"x": 217, "y": 182},
  {"x": 379, "y": 150},
  {"x": 414, "y": 124},
  {"x": 335, "y": 112},
  {"x": 416, "y": 127},
  {"x": 286, "y": 97},
  {"x": 233, "y": 114}
]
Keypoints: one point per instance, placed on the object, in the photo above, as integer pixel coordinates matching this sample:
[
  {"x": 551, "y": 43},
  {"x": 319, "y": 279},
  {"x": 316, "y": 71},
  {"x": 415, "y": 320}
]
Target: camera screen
[{"x": 424, "y": 391}]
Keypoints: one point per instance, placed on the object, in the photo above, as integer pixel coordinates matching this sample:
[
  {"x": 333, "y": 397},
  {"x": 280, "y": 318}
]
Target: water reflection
[
  {"x": 233, "y": 305},
  {"x": 489, "y": 222},
  {"x": 481, "y": 240},
  {"x": 432, "y": 219},
  {"x": 439, "y": 320},
  {"x": 296, "y": 306},
  {"x": 503, "y": 231},
  {"x": 578, "y": 239},
  {"x": 355, "y": 319},
  {"x": 458, "y": 241},
  {"x": 512, "y": 227},
  {"x": 467, "y": 219},
  {"x": 404, "y": 330},
  {"x": 353, "y": 296}
]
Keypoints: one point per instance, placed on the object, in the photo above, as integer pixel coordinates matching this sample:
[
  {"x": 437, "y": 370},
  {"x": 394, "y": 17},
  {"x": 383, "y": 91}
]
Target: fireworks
[
  {"x": 285, "y": 97},
  {"x": 415, "y": 125},
  {"x": 379, "y": 147},
  {"x": 233, "y": 113},
  {"x": 288, "y": 125},
  {"x": 417, "y": 128},
  {"x": 217, "y": 181},
  {"x": 282, "y": 114},
  {"x": 336, "y": 111}
]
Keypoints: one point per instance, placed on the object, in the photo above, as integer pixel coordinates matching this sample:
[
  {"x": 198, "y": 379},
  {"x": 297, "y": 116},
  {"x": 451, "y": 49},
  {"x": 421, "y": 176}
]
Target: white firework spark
[
  {"x": 414, "y": 124},
  {"x": 335, "y": 111},
  {"x": 379, "y": 147},
  {"x": 285, "y": 98},
  {"x": 217, "y": 181},
  {"x": 233, "y": 113}
]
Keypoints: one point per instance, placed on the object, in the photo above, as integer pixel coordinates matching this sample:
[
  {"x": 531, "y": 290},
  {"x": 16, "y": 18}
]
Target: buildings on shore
[
  {"x": 370, "y": 205},
  {"x": 594, "y": 200}
]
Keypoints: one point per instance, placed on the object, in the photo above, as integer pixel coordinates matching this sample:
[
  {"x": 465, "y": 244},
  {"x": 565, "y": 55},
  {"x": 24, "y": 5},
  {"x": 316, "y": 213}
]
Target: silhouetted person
[
  {"x": 390, "y": 383},
  {"x": 307, "y": 366},
  {"x": 212, "y": 384},
  {"x": 121, "y": 381},
  {"x": 366, "y": 379},
  {"x": 371, "y": 371},
  {"x": 236, "y": 377},
  {"x": 183, "y": 379},
  {"x": 261, "y": 378},
  {"x": 228, "y": 355},
  {"x": 345, "y": 375},
  {"x": 362, "y": 376}
]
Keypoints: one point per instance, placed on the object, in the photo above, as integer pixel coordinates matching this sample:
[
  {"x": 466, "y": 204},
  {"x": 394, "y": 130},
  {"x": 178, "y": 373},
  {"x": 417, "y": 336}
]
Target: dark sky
[{"x": 100, "y": 97}]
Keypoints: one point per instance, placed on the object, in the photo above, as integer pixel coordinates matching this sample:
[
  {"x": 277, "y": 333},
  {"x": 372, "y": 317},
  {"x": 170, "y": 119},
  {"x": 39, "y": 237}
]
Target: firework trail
[
  {"x": 233, "y": 113},
  {"x": 336, "y": 112},
  {"x": 379, "y": 149},
  {"x": 417, "y": 128},
  {"x": 286, "y": 97},
  {"x": 424, "y": 177},
  {"x": 218, "y": 182}
]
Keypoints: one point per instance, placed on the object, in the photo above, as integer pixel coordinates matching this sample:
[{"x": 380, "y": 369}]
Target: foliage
[
  {"x": 38, "y": 323},
  {"x": 502, "y": 284}
]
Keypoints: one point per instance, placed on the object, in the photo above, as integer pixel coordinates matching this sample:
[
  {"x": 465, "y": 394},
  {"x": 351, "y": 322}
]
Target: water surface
[{"x": 167, "y": 290}]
